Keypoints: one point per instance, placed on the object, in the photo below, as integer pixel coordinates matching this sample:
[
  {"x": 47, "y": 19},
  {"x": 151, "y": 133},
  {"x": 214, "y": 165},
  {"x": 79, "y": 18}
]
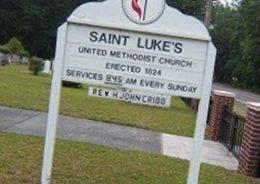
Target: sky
[{"x": 224, "y": 1}]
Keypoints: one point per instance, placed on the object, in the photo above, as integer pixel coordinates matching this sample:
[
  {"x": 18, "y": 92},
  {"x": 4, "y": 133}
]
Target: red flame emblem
[{"x": 137, "y": 8}]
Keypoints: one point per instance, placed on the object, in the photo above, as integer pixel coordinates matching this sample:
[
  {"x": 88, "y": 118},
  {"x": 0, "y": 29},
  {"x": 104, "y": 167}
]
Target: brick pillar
[
  {"x": 220, "y": 100},
  {"x": 195, "y": 104},
  {"x": 249, "y": 158}
]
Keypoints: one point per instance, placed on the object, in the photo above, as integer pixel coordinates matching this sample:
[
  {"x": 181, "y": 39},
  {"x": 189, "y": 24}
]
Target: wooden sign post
[{"x": 141, "y": 45}]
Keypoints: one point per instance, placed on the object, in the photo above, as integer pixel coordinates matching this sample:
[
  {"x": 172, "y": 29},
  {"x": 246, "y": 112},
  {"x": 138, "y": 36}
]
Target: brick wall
[
  {"x": 195, "y": 104},
  {"x": 220, "y": 100},
  {"x": 249, "y": 159}
]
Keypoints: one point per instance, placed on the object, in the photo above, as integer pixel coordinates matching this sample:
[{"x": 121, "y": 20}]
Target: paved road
[
  {"x": 241, "y": 95},
  {"x": 34, "y": 123}
]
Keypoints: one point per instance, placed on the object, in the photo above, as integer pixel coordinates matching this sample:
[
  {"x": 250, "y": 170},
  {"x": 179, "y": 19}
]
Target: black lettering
[
  {"x": 115, "y": 95},
  {"x": 93, "y": 36},
  {"x": 139, "y": 43},
  {"x": 106, "y": 93},
  {"x": 178, "y": 48},
  {"x": 156, "y": 44},
  {"x": 94, "y": 92},
  {"x": 100, "y": 92},
  {"x": 115, "y": 54},
  {"x": 166, "y": 46},
  {"x": 68, "y": 73},
  {"x": 131, "y": 81},
  {"x": 102, "y": 38}
]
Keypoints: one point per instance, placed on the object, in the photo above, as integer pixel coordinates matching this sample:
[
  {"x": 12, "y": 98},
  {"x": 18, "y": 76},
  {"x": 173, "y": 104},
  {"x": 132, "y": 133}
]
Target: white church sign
[{"x": 141, "y": 45}]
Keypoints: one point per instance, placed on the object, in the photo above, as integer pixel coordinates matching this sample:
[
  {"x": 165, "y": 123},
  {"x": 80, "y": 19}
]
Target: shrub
[
  {"x": 14, "y": 45},
  {"x": 24, "y": 54},
  {"x": 4, "y": 49},
  {"x": 36, "y": 65}
]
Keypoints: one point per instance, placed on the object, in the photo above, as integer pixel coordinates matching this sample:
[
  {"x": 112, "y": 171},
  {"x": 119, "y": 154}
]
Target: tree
[
  {"x": 34, "y": 22},
  {"x": 4, "y": 49},
  {"x": 15, "y": 46},
  {"x": 190, "y": 7},
  {"x": 237, "y": 37},
  {"x": 250, "y": 44},
  {"x": 223, "y": 34},
  {"x": 36, "y": 65}
]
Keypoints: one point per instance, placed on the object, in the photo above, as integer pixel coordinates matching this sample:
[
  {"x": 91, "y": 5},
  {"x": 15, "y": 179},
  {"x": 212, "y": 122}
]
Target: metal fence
[
  {"x": 187, "y": 101},
  {"x": 231, "y": 131},
  {"x": 209, "y": 110}
]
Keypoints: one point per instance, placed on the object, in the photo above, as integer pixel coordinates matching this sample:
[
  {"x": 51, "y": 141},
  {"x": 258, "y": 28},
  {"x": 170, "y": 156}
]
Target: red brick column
[
  {"x": 220, "y": 100},
  {"x": 195, "y": 104},
  {"x": 249, "y": 158}
]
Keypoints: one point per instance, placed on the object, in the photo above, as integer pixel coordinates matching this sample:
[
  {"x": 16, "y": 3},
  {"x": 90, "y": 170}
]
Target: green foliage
[
  {"x": 35, "y": 22},
  {"x": 36, "y": 65},
  {"x": 250, "y": 45},
  {"x": 225, "y": 20},
  {"x": 237, "y": 37},
  {"x": 15, "y": 46},
  {"x": 190, "y": 7},
  {"x": 4, "y": 49},
  {"x": 24, "y": 54}
]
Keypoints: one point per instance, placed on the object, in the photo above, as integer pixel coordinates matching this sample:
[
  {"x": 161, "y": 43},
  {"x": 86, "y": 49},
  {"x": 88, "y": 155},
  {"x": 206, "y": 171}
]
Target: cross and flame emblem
[
  {"x": 143, "y": 11},
  {"x": 136, "y": 7}
]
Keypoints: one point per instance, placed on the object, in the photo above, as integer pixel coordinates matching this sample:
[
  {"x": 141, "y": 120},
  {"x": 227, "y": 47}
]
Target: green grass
[
  {"x": 81, "y": 163},
  {"x": 20, "y": 89},
  {"x": 240, "y": 108}
]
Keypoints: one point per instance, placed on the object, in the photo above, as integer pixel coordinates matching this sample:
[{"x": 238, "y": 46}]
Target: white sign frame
[{"x": 54, "y": 103}]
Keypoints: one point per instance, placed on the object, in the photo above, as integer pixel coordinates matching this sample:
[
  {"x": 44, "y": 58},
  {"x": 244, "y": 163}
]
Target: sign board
[
  {"x": 162, "y": 64},
  {"x": 131, "y": 96},
  {"x": 142, "y": 45}
]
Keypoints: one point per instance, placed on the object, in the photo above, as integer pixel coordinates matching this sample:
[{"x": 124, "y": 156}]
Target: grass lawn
[
  {"x": 20, "y": 89},
  {"x": 86, "y": 163}
]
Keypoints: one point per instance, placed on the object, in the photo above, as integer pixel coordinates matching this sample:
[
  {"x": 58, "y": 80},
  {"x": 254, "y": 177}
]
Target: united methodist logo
[{"x": 143, "y": 11}]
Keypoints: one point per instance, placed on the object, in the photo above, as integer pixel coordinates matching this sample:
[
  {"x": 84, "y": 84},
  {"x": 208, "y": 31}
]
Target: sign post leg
[
  {"x": 194, "y": 170},
  {"x": 53, "y": 107}
]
